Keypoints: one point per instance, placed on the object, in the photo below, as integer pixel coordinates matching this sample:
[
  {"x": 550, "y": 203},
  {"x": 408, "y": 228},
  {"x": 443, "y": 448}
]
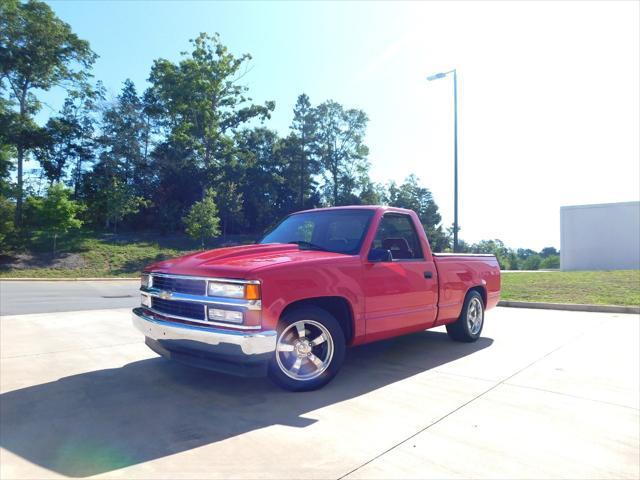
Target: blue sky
[{"x": 549, "y": 103}]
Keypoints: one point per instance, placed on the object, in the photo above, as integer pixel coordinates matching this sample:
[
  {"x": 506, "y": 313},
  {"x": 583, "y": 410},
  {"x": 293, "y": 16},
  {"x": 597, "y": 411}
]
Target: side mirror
[{"x": 380, "y": 255}]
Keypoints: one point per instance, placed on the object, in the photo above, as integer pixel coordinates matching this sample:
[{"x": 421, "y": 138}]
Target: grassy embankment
[
  {"x": 91, "y": 255},
  {"x": 125, "y": 256},
  {"x": 616, "y": 287}
]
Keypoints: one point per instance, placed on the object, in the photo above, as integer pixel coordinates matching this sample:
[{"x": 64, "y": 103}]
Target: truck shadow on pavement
[{"x": 100, "y": 421}]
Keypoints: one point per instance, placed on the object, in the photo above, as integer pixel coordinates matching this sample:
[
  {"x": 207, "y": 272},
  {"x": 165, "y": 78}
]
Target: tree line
[{"x": 190, "y": 152}]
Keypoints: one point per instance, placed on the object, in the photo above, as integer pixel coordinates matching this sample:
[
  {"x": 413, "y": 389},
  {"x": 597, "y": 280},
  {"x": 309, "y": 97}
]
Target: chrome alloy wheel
[
  {"x": 475, "y": 316},
  {"x": 304, "y": 350}
]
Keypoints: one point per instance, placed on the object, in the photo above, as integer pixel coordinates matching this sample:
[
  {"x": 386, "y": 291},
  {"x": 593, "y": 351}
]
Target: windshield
[{"x": 340, "y": 231}]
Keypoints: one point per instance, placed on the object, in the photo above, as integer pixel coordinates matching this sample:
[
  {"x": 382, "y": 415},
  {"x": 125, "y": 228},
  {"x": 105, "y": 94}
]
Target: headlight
[
  {"x": 220, "y": 289},
  {"x": 145, "y": 280},
  {"x": 220, "y": 315},
  {"x": 249, "y": 291},
  {"x": 145, "y": 300}
]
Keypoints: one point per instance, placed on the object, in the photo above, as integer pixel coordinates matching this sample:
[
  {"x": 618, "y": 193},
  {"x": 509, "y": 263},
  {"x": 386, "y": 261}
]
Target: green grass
[
  {"x": 100, "y": 255},
  {"x": 616, "y": 287},
  {"x": 97, "y": 258}
]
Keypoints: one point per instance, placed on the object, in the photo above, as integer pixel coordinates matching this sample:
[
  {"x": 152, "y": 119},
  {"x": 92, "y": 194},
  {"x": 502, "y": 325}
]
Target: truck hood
[{"x": 240, "y": 261}]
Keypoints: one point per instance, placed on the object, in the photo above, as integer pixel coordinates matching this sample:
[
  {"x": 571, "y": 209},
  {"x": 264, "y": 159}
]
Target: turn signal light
[{"x": 252, "y": 291}]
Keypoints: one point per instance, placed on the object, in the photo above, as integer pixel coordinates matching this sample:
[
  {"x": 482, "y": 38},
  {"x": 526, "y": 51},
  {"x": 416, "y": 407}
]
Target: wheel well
[
  {"x": 337, "y": 306},
  {"x": 483, "y": 293}
]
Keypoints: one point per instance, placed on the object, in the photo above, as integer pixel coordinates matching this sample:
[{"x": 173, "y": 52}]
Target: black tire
[
  {"x": 464, "y": 329},
  {"x": 282, "y": 364}
]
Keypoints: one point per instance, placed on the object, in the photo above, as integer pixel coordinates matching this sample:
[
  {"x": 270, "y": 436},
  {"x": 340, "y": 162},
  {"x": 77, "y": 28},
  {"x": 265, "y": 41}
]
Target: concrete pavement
[
  {"x": 20, "y": 297},
  {"x": 543, "y": 394}
]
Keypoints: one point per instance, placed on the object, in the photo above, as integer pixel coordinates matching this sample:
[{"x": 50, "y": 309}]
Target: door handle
[{"x": 428, "y": 274}]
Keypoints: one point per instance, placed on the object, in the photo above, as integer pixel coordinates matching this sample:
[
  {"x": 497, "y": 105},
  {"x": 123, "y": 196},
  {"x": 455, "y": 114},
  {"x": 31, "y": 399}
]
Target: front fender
[{"x": 287, "y": 284}]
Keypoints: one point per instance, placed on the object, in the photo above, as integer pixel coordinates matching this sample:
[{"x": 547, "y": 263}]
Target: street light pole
[
  {"x": 455, "y": 150},
  {"x": 455, "y": 161}
]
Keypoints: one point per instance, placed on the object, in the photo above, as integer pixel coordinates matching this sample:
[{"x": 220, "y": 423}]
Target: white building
[{"x": 600, "y": 237}]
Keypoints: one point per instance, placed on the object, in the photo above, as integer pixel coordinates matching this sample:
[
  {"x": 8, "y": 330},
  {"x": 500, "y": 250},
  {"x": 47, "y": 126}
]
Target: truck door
[{"x": 401, "y": 295}]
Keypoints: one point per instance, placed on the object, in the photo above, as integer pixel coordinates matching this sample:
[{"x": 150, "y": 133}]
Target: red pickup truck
[{"x": 320, "y": 281}]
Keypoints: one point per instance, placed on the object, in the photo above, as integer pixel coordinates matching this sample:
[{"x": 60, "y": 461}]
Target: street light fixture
[
  {"x": 437, "y": 76},
  {"x": 455, "y": 150}
]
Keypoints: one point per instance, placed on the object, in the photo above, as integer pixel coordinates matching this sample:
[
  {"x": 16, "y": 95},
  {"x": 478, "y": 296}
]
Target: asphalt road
[
  {"x": 20, "y": 297},
  {"x": 543, "y": 394}
]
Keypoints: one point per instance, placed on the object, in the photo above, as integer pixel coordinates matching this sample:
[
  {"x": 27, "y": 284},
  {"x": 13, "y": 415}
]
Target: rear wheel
[
  {"x": 309, "y": 350},
  {"x": 469, "y": 325}
]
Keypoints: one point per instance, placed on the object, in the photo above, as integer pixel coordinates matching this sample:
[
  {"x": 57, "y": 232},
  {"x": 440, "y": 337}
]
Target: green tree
[
  {"x": 7, "y": 118},
  {"x": 7, "y": 207},
  {"x": 303, "y": 146},
  {"x": 549, "y": 251},
  {"x": 178, "y": 183},
  {"x": 341, "y": 149},
  {"x": 463, "y": 247},
  {"x": 125, "y": 137},
  {"x": 229, "y": 201},
  {"x": 201, "y": 99},
  {"x": 68, "y": 143},
  {"x": 6, "y": 219},
  {"x": 200, "y": 105},
  {"x": 202, "y": 219},
  {"x": 37, "y": 52},
  {"x": 524, "y": 253},
  {"x": 121, "y": 201},
  {"x": 504, "y": 255},
  {"x": 292, "y": 176},
  {"x": 419, "y": 199},
  {"x": 122, "y": 181},
  {"x": 510, "y": 261},
  {"x": 266, "y": 177},
  {"x": 56, "y": 212},
  {"x": 371, "y": 193}
]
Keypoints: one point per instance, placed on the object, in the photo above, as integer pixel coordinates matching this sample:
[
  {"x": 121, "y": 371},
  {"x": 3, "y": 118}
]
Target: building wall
[{"x": 600, "y": 237}]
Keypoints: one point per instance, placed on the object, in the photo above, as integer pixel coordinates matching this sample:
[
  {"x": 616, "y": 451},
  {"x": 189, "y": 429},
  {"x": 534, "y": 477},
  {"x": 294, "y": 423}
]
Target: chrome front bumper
[{"x": 205, "y": 340}]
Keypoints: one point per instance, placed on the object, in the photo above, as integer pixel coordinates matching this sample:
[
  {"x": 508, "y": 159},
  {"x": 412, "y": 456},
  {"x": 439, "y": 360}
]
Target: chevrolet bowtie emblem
[{"x": 165, "y": 295}]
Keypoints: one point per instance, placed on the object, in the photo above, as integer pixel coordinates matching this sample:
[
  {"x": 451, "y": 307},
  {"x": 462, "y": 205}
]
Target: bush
[
  {"x": 552, "y": 261},
  {"x": 532, "y": 262},
  {"x": 54, "y": 213},
  {"x": 7, "y": 209}
]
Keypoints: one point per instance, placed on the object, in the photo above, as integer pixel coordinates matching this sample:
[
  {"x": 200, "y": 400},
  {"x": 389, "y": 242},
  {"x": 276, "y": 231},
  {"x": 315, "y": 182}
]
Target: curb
[
  {"x": 573, "y": 307},
  {"x": 548, "y": 270},
  {"x": 70, "y": 279}
]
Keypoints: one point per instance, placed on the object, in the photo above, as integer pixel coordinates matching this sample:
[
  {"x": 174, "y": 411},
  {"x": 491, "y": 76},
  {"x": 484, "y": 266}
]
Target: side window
[{"x": 397, "y": 233}]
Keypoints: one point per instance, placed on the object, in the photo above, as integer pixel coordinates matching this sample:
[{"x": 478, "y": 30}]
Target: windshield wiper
[{"x": 308, "y": 245}]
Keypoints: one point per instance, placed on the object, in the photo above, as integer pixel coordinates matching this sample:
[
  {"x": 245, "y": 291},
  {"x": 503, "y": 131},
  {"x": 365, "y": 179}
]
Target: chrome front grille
[
  {"x": 178, "y": 308},
  {"x": 184, "y": 298},
  {"x": 180, "y": 285}
]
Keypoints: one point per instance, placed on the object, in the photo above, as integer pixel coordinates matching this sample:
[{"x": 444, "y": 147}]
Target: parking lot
[{"x": 544, "y": 394}]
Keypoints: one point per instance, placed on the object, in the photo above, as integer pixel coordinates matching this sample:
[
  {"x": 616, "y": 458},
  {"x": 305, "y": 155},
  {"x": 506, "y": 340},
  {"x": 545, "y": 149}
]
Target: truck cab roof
[{"x": 384, "y": 208}]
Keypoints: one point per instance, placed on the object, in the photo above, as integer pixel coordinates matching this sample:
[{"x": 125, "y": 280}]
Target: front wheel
[
  {"x": 309, "y": 350},
  {"x": 469, "y": 325}
]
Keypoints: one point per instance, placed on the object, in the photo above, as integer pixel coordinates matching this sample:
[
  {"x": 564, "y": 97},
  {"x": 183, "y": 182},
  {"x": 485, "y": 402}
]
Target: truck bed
[{"x": 457, "y": 273}]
